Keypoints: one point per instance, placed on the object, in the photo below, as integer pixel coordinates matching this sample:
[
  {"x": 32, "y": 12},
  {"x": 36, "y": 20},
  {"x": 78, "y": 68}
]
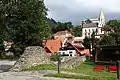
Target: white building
[
  {"x": 95, "y": 25},
  {"x": 67, "y": 52}
]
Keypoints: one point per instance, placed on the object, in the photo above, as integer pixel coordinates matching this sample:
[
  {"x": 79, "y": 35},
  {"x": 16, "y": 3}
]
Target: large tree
[
  {"x": 24, "y": 22},
  {"x": 115, "y": 24},
  {"x": 64, "y": 26},
  {"x": 77, "y": 31}
]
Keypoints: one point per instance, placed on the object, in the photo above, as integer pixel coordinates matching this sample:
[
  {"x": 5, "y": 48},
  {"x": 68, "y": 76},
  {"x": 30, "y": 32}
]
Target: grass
[
  {"x": 85, "y": 68},
  {"x": 80, "y": 77},
  {"x": 42, "y": 67}
]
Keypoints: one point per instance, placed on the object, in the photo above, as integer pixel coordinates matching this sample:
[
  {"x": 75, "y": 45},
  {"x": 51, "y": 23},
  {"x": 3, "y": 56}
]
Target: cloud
[{"x": 77, "y": 10}]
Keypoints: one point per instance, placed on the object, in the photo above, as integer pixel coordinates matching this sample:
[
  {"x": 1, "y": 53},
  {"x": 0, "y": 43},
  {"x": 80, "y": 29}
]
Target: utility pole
[{"x": 59, "y": 61}]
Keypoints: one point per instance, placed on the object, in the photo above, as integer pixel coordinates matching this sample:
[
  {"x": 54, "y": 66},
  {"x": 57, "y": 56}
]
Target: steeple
[{"x": 102, "y": 17}]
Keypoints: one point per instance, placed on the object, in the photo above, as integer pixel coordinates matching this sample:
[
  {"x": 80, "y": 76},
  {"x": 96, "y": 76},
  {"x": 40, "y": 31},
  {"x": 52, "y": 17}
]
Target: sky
[{"x": 78, "y": 10}]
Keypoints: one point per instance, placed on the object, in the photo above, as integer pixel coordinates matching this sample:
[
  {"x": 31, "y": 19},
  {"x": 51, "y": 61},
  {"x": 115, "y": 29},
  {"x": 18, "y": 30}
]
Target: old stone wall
[
  {"x": 32, "y": 56},
  {"x": 72, "y": 62}
]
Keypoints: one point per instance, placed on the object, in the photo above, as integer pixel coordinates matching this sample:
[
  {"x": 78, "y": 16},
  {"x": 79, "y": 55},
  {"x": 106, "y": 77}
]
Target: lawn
[
  {"x": 42, "y": 67},
  {"x": 85, "y": 68},
  {"x": 80, "y": 77}
]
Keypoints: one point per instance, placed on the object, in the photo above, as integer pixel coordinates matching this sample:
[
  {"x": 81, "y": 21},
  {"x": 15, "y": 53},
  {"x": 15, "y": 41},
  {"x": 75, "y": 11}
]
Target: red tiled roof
[
  {"x": 86, "y": 52},
  {"x": 53, "y": 45},
  {"x": 81, "y": 49}
]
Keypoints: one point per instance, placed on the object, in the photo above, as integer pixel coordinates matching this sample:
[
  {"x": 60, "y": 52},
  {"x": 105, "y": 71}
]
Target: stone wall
[
  {"x": 72, "y": 62},
  {"x": 32, "y": 56}
]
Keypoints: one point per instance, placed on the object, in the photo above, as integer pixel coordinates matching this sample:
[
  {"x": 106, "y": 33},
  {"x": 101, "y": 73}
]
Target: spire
[{"x": 101, "y": 15}]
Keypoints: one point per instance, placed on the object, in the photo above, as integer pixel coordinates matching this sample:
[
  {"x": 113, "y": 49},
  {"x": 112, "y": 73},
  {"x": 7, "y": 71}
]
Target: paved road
[
  {"x": 27, "y": 76},
  {"x": 5, "y": 65}
]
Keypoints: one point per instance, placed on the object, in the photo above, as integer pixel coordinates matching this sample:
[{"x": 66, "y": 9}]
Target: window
[
  {"x": 63, "y": 53},
  {"x": 101, "y": 30},
  {"x": 88, "y": 33},
  {"x": 70, "y": 52},
  {"x": 89, "y": 30}
]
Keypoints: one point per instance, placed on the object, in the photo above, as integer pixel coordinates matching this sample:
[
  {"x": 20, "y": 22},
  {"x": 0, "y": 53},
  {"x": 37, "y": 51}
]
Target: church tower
[
  {"x": 101, "y": 22},
  {"x": 101, "y": 19}
]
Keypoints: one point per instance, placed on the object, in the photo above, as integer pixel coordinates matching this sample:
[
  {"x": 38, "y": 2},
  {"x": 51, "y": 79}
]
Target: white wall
[
  {"x": 68, "y": 52},
  {"x": 87, "y": 31}
]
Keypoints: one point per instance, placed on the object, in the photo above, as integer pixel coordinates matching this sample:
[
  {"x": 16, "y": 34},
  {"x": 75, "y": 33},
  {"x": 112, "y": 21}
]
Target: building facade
[{"x": 93, "y": 25}]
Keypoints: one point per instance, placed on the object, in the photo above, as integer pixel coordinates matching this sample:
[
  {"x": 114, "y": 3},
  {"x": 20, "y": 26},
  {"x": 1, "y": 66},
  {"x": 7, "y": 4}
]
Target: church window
[
  {"x": 89, "y": 30},
  {"x": 101, "y": 30},
  {"x": 96, "y": 30},
  {"x": 88, "y": 33}
]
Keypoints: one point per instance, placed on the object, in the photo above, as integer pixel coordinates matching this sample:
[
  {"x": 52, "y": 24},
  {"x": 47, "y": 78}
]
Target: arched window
[
  {"x": 96, "y": 30},
  {"x": 89, "y": 30},
  {"x": 101, "y": 30}
]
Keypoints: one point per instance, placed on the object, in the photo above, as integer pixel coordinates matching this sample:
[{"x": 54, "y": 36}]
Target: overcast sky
[{"x": 78, "y": 10}]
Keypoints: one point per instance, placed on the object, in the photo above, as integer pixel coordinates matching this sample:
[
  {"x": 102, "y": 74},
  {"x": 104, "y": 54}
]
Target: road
[{"x": 5, "y": 65}]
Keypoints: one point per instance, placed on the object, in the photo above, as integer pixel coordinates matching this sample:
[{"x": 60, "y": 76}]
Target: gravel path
[{"x": 28, "y": 76}]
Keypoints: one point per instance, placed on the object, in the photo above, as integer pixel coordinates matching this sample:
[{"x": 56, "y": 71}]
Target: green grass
[
  {"x": 87, "y": 68},
  {"x": 42, "y": 67},
  {"x": 80, "y": 77}
]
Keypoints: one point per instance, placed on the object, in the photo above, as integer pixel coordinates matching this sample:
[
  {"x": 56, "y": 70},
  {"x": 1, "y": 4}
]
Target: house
[
  {"x": 52, "y": 46},
  {"x": 67, "y": 52},
  {"x": 79, "y": 50},
  {"x": 7, "y": 45},
  {"x": 63, "y": 36},
  {"x": 94, "y": 25},
  {"x": 66, "y": 44}
]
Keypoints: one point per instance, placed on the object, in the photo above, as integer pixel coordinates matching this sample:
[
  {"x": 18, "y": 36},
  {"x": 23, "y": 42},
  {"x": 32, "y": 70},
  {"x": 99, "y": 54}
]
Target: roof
[
  {"x": 62, "y": 33},
  {"x": 53, "y": 45},
  {"x": 89, "y": 25},
  {"x": 94, "y": 19},
  {"x": 77, "y": 47},
  {"x": 81, "y": 49},
  {"x": 60, "y": 38},
  {"x": 86, "y": 52}
]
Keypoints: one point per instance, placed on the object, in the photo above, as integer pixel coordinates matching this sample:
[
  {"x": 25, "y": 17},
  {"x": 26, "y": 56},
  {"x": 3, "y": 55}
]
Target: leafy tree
[
  {"x": 87, "y": 21},
  {"x": 23, "y": 21},
  {"x": 64, "y": 26},
  {"x": 107, "y": 40},
  {"x": 87, "y": 42},
  {"x": 115, "y": 24},
  {"x": 77, "y": 31}
]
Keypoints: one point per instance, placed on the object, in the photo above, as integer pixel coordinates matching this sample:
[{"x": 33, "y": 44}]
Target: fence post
[{"x": 118, "y": 70}]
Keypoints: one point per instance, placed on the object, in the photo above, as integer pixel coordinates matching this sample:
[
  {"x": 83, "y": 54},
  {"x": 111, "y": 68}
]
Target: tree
[
  {"x": 88, "y": 21},
  {"x": 115, "y": 24},
  {"x": 23, "y": 21},
  {"x": 87, "y": 42},
  {"x": 107, "y": 40},
  {"x": 77, "y": 30},
  {"x": 64, "y": 26}
]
